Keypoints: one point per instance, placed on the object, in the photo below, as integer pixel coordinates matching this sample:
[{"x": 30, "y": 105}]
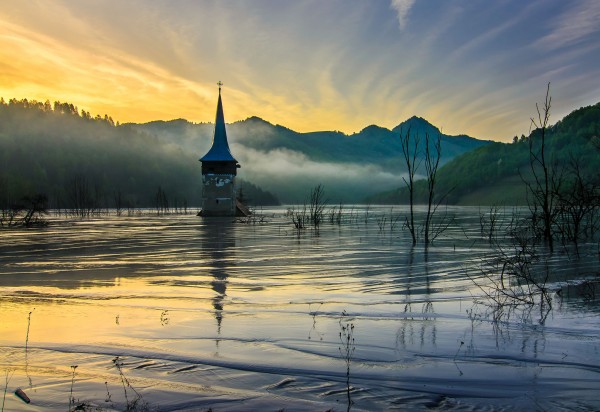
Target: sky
[{"x": 468, "y": 66}]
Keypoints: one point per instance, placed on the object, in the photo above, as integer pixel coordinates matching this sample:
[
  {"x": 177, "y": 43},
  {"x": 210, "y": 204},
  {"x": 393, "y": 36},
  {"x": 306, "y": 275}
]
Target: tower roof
[{"x": 219, "y": 151}]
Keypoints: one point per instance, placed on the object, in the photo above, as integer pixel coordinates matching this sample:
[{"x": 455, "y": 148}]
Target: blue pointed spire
[{"x": 219, "y": 151}]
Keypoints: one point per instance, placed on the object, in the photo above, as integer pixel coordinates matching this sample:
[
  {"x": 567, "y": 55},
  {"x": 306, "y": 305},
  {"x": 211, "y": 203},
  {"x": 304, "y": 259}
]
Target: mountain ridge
[
  {"x": 495, "y": 174},
  {"x": 59, "y": 143},
  {"x": 350, "y": 166}
]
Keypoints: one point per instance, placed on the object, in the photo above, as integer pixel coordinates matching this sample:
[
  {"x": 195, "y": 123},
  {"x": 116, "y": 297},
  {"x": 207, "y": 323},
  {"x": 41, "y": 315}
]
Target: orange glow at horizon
[
  {"x": 344, "y": 68},
  {"x": 130, "y": 89}
]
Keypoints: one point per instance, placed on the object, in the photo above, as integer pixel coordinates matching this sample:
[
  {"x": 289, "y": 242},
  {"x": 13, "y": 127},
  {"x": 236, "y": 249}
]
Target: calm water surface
[{"x": 232, "y": 316}]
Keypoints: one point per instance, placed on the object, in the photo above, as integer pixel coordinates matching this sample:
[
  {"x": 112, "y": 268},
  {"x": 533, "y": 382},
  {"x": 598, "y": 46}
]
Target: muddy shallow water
[{"x": 182, "y": 313}]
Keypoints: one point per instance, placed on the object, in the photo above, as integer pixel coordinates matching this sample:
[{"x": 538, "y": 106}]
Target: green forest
[
  {"x": 497, "y": 174},
  {"x": 289, "y": 164},
  {"x": 74, "y": 158}
]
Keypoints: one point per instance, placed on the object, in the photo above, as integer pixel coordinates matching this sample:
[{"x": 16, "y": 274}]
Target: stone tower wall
[{"x": 218, "y": 195}]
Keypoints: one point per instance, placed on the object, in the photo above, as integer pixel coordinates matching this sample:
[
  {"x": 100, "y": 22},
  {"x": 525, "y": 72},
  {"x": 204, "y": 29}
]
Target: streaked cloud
[
  {"x": 579, "y": 23},
  {"x": 469, "y": 67}
]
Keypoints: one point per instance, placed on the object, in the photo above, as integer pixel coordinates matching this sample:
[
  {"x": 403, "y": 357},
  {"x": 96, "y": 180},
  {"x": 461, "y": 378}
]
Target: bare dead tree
[
  {"x": 546, "y": 180},
  {"x": 433, "y": 155},
  {"x": 36, "y": 207},
  {"x": 161, "y": 201},
  {"x": 97, "y": 200},
  {"x": 80, "y": 196},
  {"x": 410, "y": 150},
  {"x": 316, "y": 205},
  {"x": 118, "y": 201},
  {"x": 489, "y": 222},
  {"x": 515, "y": 274},
  {"x": 28, "y": 212},
  {"x": 577, "y": 206}
]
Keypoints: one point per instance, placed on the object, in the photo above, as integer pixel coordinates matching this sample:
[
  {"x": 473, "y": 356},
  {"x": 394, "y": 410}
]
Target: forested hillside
[
  {"x": 58, "y": 150},
  {"x": 372, "y": 145},
  {"x": 495, "y": 174},
  {"x": 289, "y": 163}
]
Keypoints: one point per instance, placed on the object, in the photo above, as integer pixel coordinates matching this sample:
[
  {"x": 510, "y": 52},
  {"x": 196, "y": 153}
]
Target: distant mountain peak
[
  {"x": 417, "y": 124},
  {"x": 373, "y": 128},
  {"x": 255, "y": 119}
]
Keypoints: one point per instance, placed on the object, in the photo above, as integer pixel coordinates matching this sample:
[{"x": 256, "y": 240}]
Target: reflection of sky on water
[{"x": 272, "y": 303}]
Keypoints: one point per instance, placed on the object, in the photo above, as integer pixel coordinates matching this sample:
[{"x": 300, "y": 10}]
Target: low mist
[{"x": 291, "y": 175}]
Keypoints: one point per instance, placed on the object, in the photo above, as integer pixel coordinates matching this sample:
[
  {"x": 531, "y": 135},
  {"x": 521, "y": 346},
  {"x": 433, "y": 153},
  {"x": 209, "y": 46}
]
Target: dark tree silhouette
[
  {"x": 547, "y": 178},
  {"x": 432, "y": 162},
  {"x": 410, "y": 150}
]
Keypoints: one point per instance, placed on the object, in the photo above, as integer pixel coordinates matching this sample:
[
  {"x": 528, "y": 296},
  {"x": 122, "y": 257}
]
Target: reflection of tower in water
[{"x": 217, "y": 245}]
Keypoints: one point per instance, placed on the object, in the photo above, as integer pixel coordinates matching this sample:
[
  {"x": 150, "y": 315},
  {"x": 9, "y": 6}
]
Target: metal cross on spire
[{"x": 219, "y": 83}]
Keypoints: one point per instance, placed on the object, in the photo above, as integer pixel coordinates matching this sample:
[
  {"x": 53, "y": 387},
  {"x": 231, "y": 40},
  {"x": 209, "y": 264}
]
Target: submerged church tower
[{"x": 219, "y": 169}]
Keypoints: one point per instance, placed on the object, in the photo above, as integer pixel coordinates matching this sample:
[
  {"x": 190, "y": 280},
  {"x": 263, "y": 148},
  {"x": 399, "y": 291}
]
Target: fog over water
[
  {"x": 292, "y": 174},
  {"x": 232, "y": 316}
]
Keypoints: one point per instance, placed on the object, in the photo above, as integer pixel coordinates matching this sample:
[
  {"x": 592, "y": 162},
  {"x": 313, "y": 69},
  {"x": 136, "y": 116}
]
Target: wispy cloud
[
  {"x": 402, "y": 8},
  {"x": 50, "y": 68},
  {"x": 576, "y": 24},
  {"x": 308, "y": 65}
]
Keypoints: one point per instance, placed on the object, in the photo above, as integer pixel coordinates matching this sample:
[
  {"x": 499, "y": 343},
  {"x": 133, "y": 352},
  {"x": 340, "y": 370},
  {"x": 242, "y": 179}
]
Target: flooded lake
[{"x": 177, "y": 312}]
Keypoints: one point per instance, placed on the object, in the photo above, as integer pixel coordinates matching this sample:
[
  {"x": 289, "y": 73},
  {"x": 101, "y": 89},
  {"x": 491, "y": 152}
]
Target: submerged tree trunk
[
  {"x": 546, "y": 180},
  {"x": 410, "y": 157},
  {"x": 432, "y": 162}
]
